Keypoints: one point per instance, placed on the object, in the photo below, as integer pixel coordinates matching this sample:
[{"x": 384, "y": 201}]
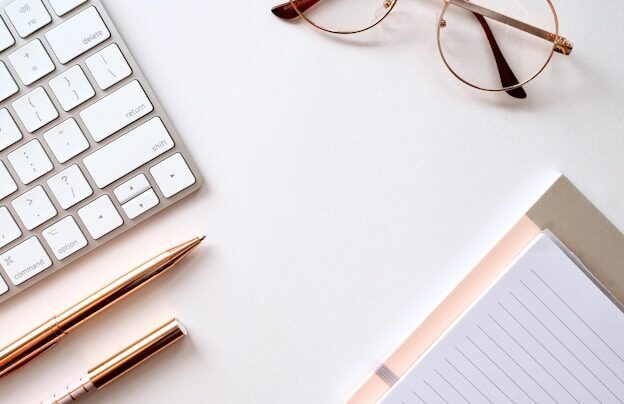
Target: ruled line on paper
[
  {"x": 533, "y": 358},
  {"x": 484, "y": 375},
  {"x": 516, "y": 363},
  {"x": 451, "y": 385},
  {"x": 501, "y": 369},
  {"x": 549, "y": 352},
  {"x": 436, "y": 392},
  {"x": 571, "y": 331},
  {"x": 468, "y": 380},
  {"x": 419, "y": 397},
  {"x": 567, "y": 348},
  {"x": 613, "y": 351}
]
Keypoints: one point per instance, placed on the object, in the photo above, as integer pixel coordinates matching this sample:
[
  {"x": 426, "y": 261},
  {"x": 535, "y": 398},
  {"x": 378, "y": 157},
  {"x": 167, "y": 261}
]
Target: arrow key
[
  {"x": 141, "y": 204},
  {"x": 100, "y": 217},
  {"x": 172, "y": 175},
  {"x": 132, "y": 188}
]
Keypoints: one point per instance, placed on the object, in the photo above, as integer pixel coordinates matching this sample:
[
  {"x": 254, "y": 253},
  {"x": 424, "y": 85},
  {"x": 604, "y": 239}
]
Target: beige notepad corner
[{"x": 564, "y": 211}]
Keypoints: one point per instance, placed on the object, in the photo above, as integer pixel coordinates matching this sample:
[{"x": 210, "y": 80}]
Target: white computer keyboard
[{"x": 86, "y": 150}]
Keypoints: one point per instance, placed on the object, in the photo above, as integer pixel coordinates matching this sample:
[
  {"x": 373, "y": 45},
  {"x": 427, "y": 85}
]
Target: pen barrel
[
  {"x": 123, "y": 286},
  {"x": 28, "y": 347},
  {"x": 72, "y": 392},
  {"x": 137, "y": 353}
]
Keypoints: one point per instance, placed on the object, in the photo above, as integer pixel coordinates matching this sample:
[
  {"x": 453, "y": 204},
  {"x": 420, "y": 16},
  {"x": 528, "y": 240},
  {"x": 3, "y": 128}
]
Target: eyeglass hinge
[{"x": 562, "y": 45}]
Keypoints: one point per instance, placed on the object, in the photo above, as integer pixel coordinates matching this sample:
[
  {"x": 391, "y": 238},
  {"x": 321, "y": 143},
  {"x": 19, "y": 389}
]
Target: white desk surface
[{"x": 350, "y": 186}]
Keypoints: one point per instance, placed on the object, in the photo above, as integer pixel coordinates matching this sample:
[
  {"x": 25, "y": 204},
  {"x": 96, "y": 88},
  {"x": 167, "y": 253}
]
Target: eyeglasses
[{"x": 471, "y": 37}]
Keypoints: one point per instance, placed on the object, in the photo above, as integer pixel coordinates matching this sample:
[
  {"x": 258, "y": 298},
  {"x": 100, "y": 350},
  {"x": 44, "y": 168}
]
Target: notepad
[{"x": 544, "y": 332}]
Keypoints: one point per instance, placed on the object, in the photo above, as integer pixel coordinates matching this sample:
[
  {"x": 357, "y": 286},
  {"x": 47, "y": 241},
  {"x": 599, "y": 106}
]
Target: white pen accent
[
  {"x": 72, "y": 392},
  {"x": 111, "y": 369}
]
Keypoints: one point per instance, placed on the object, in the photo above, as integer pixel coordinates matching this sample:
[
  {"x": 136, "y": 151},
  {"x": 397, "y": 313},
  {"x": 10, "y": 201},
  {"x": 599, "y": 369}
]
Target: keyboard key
[
  {"x": 100, "y": 217},
  {"x": 62, "y": 7},
  {"x": 9, "y": 132},
  {"x": 172, "y": 175},
  {"x": 8, "y": 86},
  {"x": 27, "y": 16},
  {"x": 3, "y": 287},
  {"x": 70, "y": 187},
  {"x": 9, "y": 230},
  {"x": 34, "y": 207},
  {"x": 77, "y": 35},
  {"x": 6, "y": 39},
  {"x": 116, "y": 111},
  {"x": 7, "y": 185},
  {"x": 35, "y": 109},
  {"x": 31, "y": 62},
  {"x": 132, "y": 188},
  {"x": 72, "y": 88},
  {"x": 129, "y": 152},
  {"x": 66, "y": 140},
  {"x": 30, "y": 162},
  {"x": 25, "y": 261},
  {"x": 108, "y": 66},
  {"x": 64, "y": 238},
  {"x": 141, "y": 204}
]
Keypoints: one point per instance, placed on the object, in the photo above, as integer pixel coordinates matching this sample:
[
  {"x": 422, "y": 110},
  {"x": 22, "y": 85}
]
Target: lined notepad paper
[{"x": 543, "y": 333}]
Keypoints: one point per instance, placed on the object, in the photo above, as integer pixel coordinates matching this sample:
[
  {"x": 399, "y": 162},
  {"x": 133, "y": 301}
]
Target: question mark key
[{"x": 70, "y": 187}]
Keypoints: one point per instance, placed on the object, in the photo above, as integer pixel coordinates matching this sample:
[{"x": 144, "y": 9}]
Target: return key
[{"x": 116, "y": 111}]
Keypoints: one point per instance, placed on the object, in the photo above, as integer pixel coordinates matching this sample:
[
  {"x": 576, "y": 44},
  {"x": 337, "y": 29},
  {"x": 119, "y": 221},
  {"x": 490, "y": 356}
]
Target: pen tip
[{"x": 202, "y": 238}]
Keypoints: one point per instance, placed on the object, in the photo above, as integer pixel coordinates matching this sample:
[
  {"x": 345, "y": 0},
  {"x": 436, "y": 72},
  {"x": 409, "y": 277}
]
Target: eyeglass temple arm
[
  {"x": 562, "y": 45},
  {"x": 288, "y": 12},
  {"x": 507, "y": 76}
]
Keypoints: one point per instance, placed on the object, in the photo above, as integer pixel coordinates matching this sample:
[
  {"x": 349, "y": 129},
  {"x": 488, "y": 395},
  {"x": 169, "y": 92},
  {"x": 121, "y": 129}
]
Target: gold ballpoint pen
[
  {"x": 113, "y": 368},
  {"x": 30, "y": 346}
]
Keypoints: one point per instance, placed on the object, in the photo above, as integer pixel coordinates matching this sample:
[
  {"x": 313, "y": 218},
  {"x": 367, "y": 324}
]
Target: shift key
[
  {"x": 128, "y": 152},
  {"x": 116, "y": 111}
]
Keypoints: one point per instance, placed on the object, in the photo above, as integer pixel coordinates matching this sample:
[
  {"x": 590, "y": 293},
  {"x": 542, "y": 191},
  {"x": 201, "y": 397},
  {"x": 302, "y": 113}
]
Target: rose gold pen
[
  {"x": 30, "y": 346},
  {"x": 106, "y": 372}
]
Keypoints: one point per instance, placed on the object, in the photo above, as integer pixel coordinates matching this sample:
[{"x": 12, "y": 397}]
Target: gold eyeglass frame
[
  {"x": 302, "y": 15},
  {"x": 560, "y": 44}
]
